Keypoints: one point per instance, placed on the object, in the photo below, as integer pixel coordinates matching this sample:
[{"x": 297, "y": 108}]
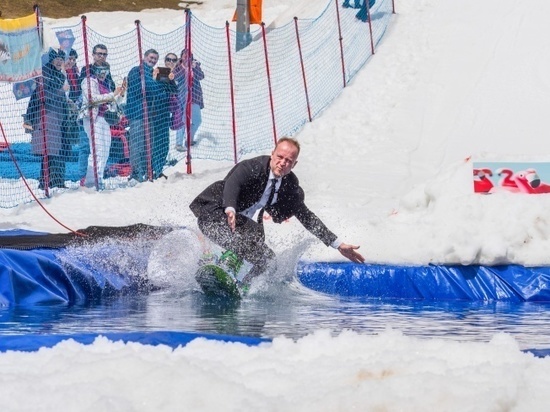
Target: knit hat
[{"x": 54, "y": 54}]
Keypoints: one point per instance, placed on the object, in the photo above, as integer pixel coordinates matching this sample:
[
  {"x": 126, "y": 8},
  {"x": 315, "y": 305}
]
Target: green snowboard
[
  {"x": 216, "y": 282},
  {"x": 217, "y": 276}
]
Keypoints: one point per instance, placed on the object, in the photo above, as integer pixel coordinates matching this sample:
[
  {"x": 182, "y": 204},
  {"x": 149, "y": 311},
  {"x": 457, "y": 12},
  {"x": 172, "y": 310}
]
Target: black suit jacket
[{"x": 243, "y": 187}]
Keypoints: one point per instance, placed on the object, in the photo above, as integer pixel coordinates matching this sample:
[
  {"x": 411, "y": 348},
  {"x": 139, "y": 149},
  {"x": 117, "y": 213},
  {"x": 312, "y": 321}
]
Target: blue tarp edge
[
  {"x": 173, "y": 339},
  {"x": 511, "y": 283}
]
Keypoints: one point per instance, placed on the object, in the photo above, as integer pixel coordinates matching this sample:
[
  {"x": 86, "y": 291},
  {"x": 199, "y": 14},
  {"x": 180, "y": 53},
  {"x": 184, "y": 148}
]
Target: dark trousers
[
  {"x": 248, "y": 240},
  {"x": 56, "y": 171}
]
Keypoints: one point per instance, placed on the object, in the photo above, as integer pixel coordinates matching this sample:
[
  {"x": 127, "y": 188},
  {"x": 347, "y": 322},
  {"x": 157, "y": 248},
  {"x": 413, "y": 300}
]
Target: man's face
[
  {"x": 151, "y": 59},
  {"x": 100, "y": 56},
  {"x": 283, "y": 159}
]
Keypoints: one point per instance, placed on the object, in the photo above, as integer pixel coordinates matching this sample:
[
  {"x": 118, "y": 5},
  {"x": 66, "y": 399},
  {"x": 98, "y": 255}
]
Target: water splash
[{"x": 175, "y": 259}]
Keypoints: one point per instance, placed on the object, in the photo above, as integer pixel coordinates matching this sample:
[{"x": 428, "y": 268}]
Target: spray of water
[{"x": 174, "y": 260}]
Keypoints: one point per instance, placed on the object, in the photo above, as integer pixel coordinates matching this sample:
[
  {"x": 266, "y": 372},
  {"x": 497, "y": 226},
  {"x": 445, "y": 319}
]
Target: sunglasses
[
  {"x": 169, "y": 60},
  {"x": 101, "y": 54}
]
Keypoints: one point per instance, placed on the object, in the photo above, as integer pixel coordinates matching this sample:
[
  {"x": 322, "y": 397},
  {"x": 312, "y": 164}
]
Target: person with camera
[
  {"x": 178, "y": 100},
  {"x": 189, "y": 71},
  {"x": 96, "y": 98},
  {"x": 148, "y": 111}
]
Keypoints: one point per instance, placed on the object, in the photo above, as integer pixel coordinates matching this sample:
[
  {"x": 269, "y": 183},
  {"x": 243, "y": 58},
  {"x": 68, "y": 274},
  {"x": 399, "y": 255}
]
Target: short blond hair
[{"x": 290, "y": 140}]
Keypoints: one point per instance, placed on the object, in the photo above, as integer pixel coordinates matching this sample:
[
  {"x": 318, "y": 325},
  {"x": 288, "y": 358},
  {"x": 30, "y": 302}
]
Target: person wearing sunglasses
[
  {"x": 178, "y": 100},
  {"x": 99, "y": 58},
  {"x": 96, "y": 96},
  {"x": 171, "y": 60},
  {"x": 189, "y": 68}
]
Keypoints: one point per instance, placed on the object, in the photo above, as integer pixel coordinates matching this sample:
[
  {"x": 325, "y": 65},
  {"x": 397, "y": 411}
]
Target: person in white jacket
[{"x": 96, "y": 99}]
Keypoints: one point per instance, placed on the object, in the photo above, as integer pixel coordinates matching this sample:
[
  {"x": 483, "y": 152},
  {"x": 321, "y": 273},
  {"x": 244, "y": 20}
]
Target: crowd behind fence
[{"x": 103, "y": 115}]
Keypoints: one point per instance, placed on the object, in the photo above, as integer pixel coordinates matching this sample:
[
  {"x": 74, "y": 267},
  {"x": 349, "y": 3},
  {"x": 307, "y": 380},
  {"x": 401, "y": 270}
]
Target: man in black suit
[{"x": 225, "y": 209}]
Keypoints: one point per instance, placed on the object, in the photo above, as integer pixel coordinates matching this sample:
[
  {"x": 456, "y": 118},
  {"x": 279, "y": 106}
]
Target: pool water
[
  {"x": 286, "y": 308},
  {"x": 276, "y": 305}
]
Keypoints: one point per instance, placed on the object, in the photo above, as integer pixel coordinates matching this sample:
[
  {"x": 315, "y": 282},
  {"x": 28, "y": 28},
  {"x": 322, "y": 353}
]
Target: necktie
[{"x": 269, "y": 200}]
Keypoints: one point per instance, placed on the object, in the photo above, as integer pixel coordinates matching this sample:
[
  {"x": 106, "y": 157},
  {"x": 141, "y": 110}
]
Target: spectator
[
  {"x": 197, "y": 102},
  {"x": 72, "y": 126},
  {"x": 73, "y": 77},
  {"x": 171, "y": 61},
  {"x": 363, "y": 14},
  {"x": 46, "y": 125},
  {"x": 99, "y": 56},
  {"x": 97, "y": 98},
  {"x": 178, "y": 100},
  {"x": 149, "y": 117},
  {"x": 357, "y": 4}
]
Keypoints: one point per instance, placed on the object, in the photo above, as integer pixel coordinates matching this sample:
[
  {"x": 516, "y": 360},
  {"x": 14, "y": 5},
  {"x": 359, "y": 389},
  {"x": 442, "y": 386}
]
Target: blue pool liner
[
  {"x": 40, "y": 276},
  {"x": 32, "y": 342},
  {"x": 509, "y": 283},
  {"x": 44, "y": 276}
]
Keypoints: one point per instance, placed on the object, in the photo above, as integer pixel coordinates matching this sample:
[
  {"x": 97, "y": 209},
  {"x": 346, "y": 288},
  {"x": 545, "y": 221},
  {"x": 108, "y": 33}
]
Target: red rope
[{"x": 29, "y": 188}]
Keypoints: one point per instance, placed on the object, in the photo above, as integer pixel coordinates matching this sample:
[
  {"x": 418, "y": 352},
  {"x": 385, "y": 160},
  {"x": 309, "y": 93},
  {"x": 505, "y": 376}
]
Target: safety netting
[{"x": 104, "y": 114}]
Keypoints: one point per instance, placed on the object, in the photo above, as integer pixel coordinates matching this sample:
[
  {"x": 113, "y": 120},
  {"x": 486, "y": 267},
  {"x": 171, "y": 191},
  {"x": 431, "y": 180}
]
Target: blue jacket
[{"x": 157, "y": 94}]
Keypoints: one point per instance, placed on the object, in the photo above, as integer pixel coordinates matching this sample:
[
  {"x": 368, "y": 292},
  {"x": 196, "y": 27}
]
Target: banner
[
  {"x": 254, "y": 10},
  {"x": 19, "y": 49},
  {"x": 516, "y": 177},
  {"x": 66, "y": 40},
  {"x": 24, "y": 89}
]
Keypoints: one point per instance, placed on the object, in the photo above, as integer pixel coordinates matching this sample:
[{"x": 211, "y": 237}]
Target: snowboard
[{"x": 220, "y": 274}]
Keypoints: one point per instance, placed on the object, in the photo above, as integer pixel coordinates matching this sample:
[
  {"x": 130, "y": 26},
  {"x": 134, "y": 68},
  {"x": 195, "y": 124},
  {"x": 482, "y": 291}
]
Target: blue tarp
[
  {"x": 39, "y": 276},
  {"x": 511, "y": 283},
  {"x": 81, "y": 276},
  {"x": 74, "y": 276},
  {"x": 28, "y": 343}
]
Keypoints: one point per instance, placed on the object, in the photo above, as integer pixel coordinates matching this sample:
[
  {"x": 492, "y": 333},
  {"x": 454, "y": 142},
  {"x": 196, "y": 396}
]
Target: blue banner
[{"x": 19, "y": 49}]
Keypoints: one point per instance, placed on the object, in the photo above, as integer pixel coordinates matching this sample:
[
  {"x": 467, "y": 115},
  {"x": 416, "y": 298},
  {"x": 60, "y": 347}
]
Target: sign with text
[{"x": 518, "y": 177}]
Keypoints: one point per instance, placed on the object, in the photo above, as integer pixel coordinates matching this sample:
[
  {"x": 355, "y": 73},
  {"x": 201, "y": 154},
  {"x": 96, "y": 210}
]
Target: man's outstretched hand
[{"x": 349, "y": 252}]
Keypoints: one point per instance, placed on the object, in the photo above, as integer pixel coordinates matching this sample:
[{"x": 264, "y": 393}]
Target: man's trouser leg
[{"x": 247, "y": 241}]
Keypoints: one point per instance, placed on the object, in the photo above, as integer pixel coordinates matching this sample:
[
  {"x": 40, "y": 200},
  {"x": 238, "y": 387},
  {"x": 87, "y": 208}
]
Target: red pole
[
  {"x": 340, "y": 39},
  {"x": 303, "y": 68},
  {"x": 38, "y": 25},
  {"x": 45, "y": 162},
  {"x": 144, "y": 105},
  {"x": 269, "y": 85},
  {"x": 370, "y": 26},
  {"x": 90, "y": 108},
  {"x": 189, "y": 88},
  {"x": 44, "y": 166},
  {"x": 233, "y": 122}
]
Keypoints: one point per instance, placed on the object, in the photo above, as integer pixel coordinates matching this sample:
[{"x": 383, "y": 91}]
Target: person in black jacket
[
  {"x": 230, "y": 211},
  {"x": 46, "y": 113}
]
